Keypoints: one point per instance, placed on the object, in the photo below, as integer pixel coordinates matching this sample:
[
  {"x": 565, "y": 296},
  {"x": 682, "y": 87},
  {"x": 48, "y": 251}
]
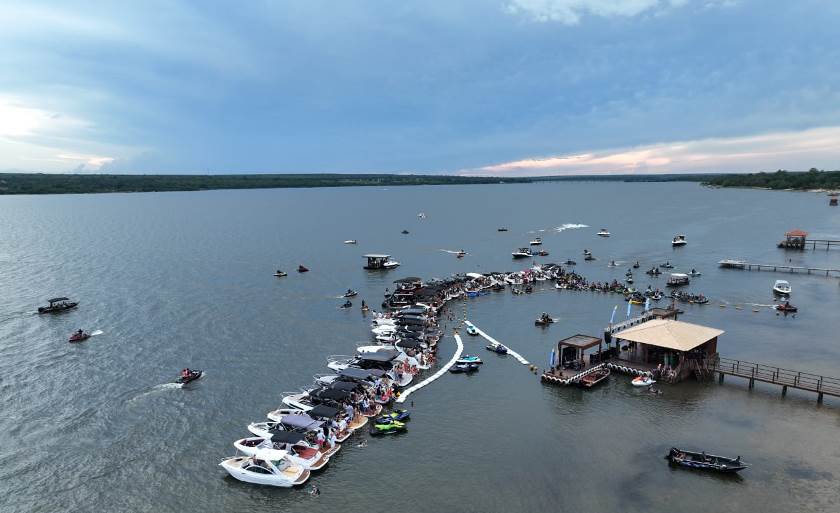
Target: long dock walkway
[
  {"x": 408, "y": 391},
  {"x": 492, "y": 340},
  {"x": 821, "y": 385},
  {"x": 752, "y": 266}
]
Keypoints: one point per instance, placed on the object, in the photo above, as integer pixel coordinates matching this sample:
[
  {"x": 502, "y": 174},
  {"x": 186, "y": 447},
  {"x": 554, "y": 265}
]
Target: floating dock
[
  {"x": 752, "y": 266},
  {"x": 408, "y": 391}
]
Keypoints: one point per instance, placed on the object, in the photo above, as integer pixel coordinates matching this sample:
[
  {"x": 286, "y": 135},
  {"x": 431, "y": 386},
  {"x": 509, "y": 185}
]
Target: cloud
[
  {"x": 819, "y": 146},
  {"x": 569, "y": 12}
]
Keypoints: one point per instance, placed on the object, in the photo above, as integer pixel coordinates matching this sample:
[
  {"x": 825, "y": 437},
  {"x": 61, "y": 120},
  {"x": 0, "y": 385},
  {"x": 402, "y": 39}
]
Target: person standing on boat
[{"x": 350, "y": 412}]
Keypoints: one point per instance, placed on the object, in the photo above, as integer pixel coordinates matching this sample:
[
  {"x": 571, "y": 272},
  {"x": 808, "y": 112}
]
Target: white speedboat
[
  {"x": 603, "y": 233},
  {"x": 298, "y": 450},
  {"x": 678, "y": 240},
  {"x": 781, "y": 287},
  {"x": 266, "y": 467},
  {"x": 642, "y": 381},
  {"x": 351, "y": 241},
  {"x": 390, "y": 264},
  {"x": 299, "y": 400},
  {"x": 536, "y": 241},
  {"x": 522, "y": 253}
]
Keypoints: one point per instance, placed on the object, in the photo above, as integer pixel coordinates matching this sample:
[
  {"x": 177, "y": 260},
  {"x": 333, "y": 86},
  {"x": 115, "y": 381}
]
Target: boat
[
  {"x": 570, "y": 262},
  {"x": 460, "y": 368},
  {"x": 350, "y": 293},
  {"x": 469, "y": 358},
  {"x": 385, "y": 426},
  {"x": 732, "y": 264},
  {"x": 347, "y": 304},
  {"x": 678, "y": 240},
  {"x": 666, "y": 265},
  {"x": 642, "y": 381},
  {"x": 188, "y": 376},
  {"x": 502, "y": 229},
  {"x": 351, "y": 241},
  {"x": 398, "y": 415},
  {"x": 405, "y": 232},
  {"x": 781, "y": 287},
  {"x": 703, "y": 461},
  {"x": 422, "y": 215},
  {"x": 299, "y": 451},
  {"x": 543, "y": 320},
  {"x": 653, "y": 271},
  {"x": 79, "y": 336},
  {"x": 542, "y": 252},
  {"x": 589, "y": 257},
  {"x": 497, "y": 348},
  {"x": 629, "y": 279},
  {"x": 280, "y": 274},
  {"x": 460, "y": 254},
  {"x": 302, "y": 269},
  {"x": 266, "y": 467},
  {"x": 595, "y": 377},
  {"x": 786, "y": 307},
  {"x": 603, "y": 233},
  {"x": 536, "y": 241},
  {"x": 522, "y": 253},
  {"x": 57, "y": 304},
  {"x": 377, "y": 262},
  {"x": 636, "y": 265},
  {"x": 677, "y": 280},
  {"x": 471, "y": 329},
  {"x": 695, "y": 273}
]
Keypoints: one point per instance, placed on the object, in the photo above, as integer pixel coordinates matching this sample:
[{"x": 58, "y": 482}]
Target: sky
[{"x": 496, "y": 87}]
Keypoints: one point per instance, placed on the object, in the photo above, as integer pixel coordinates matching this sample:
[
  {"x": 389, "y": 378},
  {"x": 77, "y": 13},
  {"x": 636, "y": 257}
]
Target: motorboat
[
  {"x": 589, "y": 257},
  {"x": 351, "y": 241},
  {"x": 786, "y": 307},
  {"x": 666, "y": 265},
  {"x": 347, "y": 304},
  {"x": 469, "y": 358},
  {"x": 390, "y": 264},
  {"x": 280, "y": 274},
  {"x": 694, "y": 273},
  {"x": 653, "y": 271},
  {"x": 522, "y": 253},
  {"x": 299, "y": 451},
  {"x": 188, "y": 376},
  {"x": 536, "y": 241},
  {"x": 612, "y": 264},
  {"x": 629, "y": 279},
  {"x": 405, "y": 232},
  {"x": 79, "y": 336},
  {"x": 460, "y": 368},
  {"x": 503, "y": 229},
  {"x": 594, "y": 378},
  {"x": 497, "y": 348},
  {"x": 570, "y": 262},
  {"x": 636, "y": 265},
  {"x": 542, "y": 252},
  {"x": 471, "y": 329},
  {"x": 57, "y": 304},
  {"x": 460, "y": 254},
  {"x": 642, "y": 381},
  {"x": 781, "y": 287},
  {"x": 350, "y": 293},
  {"x": 422, "y": 215},
  {"x": 677, "y": 280},
  {"x": 603, "y": 233},
  {"x": 678, "y": 240},
  {"x": 266, "y": 467},
  {"x": 302, "y": 269},
  {"x": 703, "y": 461}
]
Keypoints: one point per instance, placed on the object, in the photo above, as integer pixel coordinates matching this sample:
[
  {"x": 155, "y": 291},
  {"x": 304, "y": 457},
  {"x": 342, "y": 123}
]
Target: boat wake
[
  {"x": 570, "y": 226},
  {"x": 95, "y": 333},
  {"x": 450, "y": 251}
]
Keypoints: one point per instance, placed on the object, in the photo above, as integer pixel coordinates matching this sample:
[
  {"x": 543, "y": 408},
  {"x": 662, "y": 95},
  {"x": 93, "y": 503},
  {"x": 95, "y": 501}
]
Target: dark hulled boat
[
  {"x": 703, "y": 461},
  {"x": 57, "y": 304}
]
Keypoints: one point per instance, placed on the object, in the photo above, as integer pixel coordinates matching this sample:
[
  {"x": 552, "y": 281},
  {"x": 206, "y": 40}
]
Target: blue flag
[
  {"x": 629, "y": 306},
  {"x": 647, "y": 304},
  {"x": 612, "y": 317}
]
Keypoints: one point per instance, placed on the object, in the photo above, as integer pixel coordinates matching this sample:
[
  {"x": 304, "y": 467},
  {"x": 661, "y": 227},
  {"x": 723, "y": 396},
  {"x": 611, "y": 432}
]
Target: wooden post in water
[{"x": 784, "y": 390}]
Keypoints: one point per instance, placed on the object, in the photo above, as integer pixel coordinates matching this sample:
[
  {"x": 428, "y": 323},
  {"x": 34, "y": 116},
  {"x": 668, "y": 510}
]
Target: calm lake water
[{"x": 185, "y": 279}]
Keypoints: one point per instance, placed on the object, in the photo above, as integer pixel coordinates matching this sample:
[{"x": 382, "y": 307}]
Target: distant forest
[
  {"x": 39, "y": 183},
  {"x": 795, "y": 180}
]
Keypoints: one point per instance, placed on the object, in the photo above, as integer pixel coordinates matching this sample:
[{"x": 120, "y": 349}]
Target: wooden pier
[
  {"x": 752, "y": 266},
  {"x": 821, "y": 385},
  {"x": 798, "y": 239}
]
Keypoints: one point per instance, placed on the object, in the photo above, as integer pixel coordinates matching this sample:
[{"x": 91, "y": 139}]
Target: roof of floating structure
[
  {"x": 670, "y": 334},
  {"x": 796, "y": 233},
  {"x": 376, "y": 255},
  {"x": 580, "y": 341}
]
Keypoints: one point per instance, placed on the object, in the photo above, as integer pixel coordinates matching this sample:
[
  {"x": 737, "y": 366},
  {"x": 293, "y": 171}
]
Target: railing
[{"x": 779, "y": 376}]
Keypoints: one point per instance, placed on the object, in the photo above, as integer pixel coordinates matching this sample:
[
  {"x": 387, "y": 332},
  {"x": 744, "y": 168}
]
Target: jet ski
[
  {"x": 191, "y": 375},
  {"x": 79, "y": 336},
  {"x": 642, "y": 381},
  {"x": 302, "y": 269},
  {"x": 350, "y": 293},
  {"x": 459, "y": 368},
  {"x": 497, "y": 348},
  {"x": 280, "y": 274},
  {"x": 398, "y": 415},
  {"x": 469, "y": 358},
  {"x": 384, "y": 426},
  {"x": 570, "y": 262},
  {"x": 347, "y": 304}
]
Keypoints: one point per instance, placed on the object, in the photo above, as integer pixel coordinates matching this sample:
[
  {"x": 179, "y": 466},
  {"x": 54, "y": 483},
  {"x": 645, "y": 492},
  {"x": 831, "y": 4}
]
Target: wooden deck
[{"x": 821, "y": 385}]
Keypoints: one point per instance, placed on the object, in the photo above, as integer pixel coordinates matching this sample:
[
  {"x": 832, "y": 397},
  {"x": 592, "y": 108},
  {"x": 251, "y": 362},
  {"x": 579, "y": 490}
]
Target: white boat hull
[{"x": 233, "y": 466}]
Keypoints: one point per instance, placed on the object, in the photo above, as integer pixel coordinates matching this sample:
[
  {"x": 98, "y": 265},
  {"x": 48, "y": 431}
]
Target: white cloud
[
  {"x": 819, "y": 147},
  {"x": 570, "y": 12}
]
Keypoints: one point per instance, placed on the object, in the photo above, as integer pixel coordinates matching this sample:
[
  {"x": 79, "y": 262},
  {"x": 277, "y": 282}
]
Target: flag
[
  {"x": 612, "y": 317},
  {"x": 551, "y": 359},
  {"x": 647, "y": 304},
  {"x": 629, "y": 306}
]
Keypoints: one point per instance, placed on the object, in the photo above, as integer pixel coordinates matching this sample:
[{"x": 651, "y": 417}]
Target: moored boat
[
  {"x": 642, "y": 381},
  {"x": 266, "y": 467},
  {"x": 595, "y": 377}
]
